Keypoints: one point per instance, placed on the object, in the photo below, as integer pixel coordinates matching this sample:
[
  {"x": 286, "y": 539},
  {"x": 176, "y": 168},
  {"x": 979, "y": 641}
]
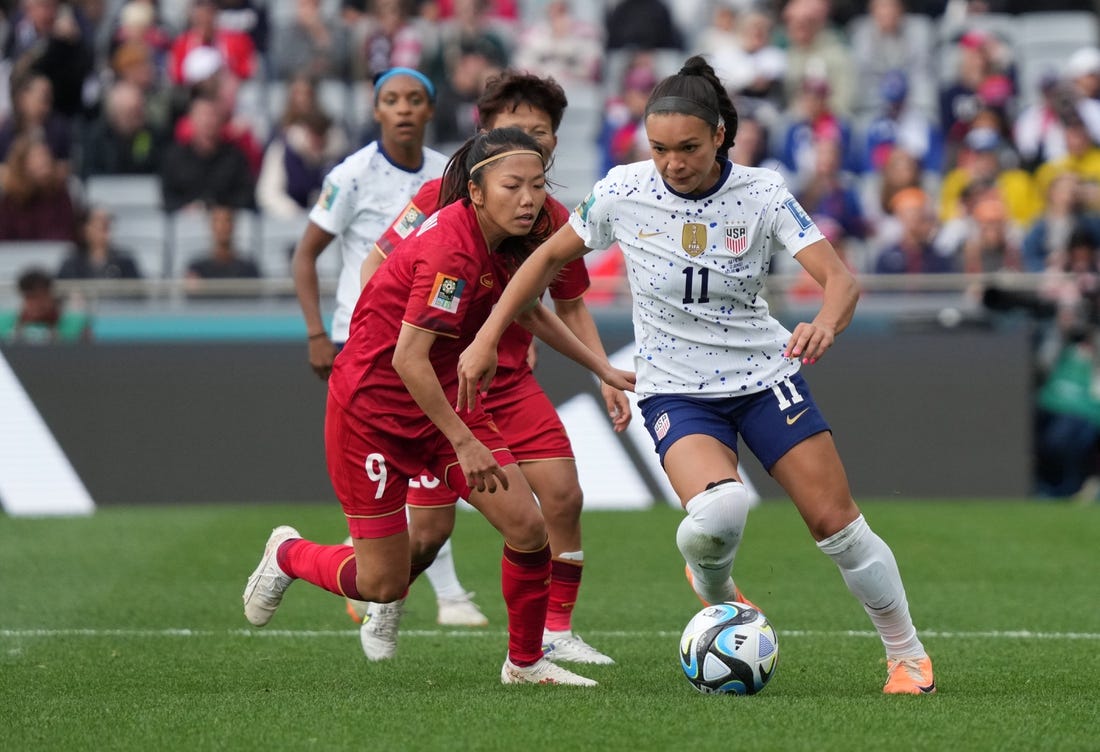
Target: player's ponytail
[{"x": 696, "y": 90}]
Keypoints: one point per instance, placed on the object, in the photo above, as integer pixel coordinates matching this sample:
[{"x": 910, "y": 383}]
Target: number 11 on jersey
[{"x": 704, "y": 278}]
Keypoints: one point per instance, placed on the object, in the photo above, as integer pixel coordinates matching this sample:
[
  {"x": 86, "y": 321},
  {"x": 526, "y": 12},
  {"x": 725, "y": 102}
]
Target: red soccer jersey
[
  {"x": 442, "y": 280},
  {"x": 572, "y": 282}
]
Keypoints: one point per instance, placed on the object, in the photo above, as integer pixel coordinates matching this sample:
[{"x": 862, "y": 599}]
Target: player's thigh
[
  {"x": 512, "y": 511},
  {"x": 812, "y": 474},
  {"x": 695, "y": 460}
]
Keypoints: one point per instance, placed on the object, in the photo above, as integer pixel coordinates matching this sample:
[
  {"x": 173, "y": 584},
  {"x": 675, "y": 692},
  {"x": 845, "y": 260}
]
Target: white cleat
[
  {"x": 460, "y": 612},
  {"x": 542, "y": 672},
  {"x": 267, "y": 583},
  {"x": 568, "y": 647},
  {"x": 379, "y": 631}
]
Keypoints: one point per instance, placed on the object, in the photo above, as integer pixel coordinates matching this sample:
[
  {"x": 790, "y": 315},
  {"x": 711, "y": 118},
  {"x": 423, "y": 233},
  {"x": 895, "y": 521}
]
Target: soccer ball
[{"x": 729, "y": 648}]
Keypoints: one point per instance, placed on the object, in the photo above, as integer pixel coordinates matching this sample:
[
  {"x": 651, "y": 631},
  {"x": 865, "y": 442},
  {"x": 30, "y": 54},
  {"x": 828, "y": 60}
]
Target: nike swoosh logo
[
  {"x": 792, "y": 419},
  {"x": 927, "y": 690},
  {"x": 642, "y": 234}
]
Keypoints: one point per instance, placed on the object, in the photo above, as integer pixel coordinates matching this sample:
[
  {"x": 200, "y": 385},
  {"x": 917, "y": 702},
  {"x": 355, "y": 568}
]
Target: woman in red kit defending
[
  {"x": 390, "y": 411},
  {"x": 519, "y": 406}
]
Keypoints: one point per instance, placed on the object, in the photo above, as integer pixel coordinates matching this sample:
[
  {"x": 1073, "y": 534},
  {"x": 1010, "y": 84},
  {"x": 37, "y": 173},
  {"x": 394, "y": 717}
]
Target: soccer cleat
[
  {"x": 460, "y": 612},
  {"x": 541, "y": 672},
  {"x": 737, "y": 594},
  {"x": 265, "y": 587},
  {"x": 909, "y": 676},
  {"x": 568, "y": 647},
  {"x": 378, "y": 634}
]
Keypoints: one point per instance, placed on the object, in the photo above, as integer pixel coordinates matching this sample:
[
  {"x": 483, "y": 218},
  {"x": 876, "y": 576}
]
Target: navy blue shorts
[{"x": 771, "y": 422}]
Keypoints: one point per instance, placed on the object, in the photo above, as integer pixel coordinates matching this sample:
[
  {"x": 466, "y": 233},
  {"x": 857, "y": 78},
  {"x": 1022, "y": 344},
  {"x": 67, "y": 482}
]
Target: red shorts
[
  {"x": 371, "y": 469},
  {"x": 531, "y": 426}
]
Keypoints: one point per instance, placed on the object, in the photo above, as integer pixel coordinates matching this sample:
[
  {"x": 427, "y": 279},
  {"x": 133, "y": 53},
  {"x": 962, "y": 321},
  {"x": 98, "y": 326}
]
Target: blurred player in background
[
  {"x": 519, "y": 406},
  {"x": 360, "y": 198},
  {"x": 391, "y": 403},
  {"x": 698, "y": 234}
]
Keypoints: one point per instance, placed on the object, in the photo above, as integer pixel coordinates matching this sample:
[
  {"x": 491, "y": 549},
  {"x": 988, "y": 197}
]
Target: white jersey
[
  {"x": 696, "y": 267},
  {"x": 360, "y": 199}
]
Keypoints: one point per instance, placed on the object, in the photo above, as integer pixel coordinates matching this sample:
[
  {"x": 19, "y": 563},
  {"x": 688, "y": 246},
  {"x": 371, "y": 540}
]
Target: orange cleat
[
  {"x": 737, "y": 594},
  {"x": 909, "y": 676}
]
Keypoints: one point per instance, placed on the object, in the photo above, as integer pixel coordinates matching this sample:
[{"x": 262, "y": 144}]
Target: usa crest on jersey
[{"x": 737, "y": 239}]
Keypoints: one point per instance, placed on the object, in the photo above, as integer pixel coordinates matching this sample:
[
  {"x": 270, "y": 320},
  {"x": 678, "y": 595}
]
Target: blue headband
[{"x": 399, "y": 71}]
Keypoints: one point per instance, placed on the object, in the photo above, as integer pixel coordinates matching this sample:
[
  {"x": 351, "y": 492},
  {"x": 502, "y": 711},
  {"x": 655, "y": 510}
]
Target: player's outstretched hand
[
  {"x": 322, "y": 352},
  {"x": 480, "y": 466},
  {"x": 809, "y": 341},
  {"x": 476, "y": 366},
  {"x": 618, "y": 407}
]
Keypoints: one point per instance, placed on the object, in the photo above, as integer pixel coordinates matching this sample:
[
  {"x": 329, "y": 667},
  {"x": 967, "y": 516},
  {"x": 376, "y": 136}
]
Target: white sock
[
  {"x": 443, "y": 576},
  {"x": 871, "y": 573},
  {"x": 709, "y": 535}
]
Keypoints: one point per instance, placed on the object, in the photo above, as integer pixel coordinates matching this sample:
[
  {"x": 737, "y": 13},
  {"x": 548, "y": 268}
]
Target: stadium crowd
[{"x": 922, "y": 136}]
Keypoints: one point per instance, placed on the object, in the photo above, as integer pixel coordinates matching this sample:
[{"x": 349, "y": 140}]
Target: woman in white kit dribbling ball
[{"x": 698, "y": 234}]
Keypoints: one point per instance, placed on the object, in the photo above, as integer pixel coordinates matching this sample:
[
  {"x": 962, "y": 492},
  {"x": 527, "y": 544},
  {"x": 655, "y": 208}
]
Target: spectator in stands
[
  {"x": 53, "y": 39},
  {"x": 898, "y": 125},
  {"x": 206, "y": 170},
  {"x": 1082, "y": 158},
  {"x": 751, "y": 147},
  {"x": 1083, "y": 71},
  {"x": 561, "y": 46},
  {"x": 137, "y": 23},
  {"x": 980, "y": 162},
  {"x": 392, "y": 40},
  {"x": 983, "y": 60},
  {"x": 749, "y": 64},
  {"x": 623, "y": 127},
  {"x": 901, "y": 170},
  {"x": 1047, "y": 240},
  {"x": 311, "y": 44},
  {"x": 295, "y": 164},
  {"x": 236, "y": 47},
  {"x": 42, "y": 317},
  {"x": 915, "y": 251},
  {"x": 121, "y": 141},
  {"x": 891, "y": 40},
  {"x": 817, "y": 52},
  {"x": 223, "y": 260},
  {"x": 831, "y": 191},
  {"x": 641, "y": 25},
  {"x": 34, "y": 200},
  {"x": 95, "y": 256},
  {"x": 993, "y": 243},
  {"x": 810, "y": 120},
  {"x": 1039, "y": 131},
  {"x": 302, "y": 101},
  {"x": 33, "y": 113},
  {"x": 133, "y": 63},
  {"x": 248, "y": 16},
  {"x": 209, "y": 79}
]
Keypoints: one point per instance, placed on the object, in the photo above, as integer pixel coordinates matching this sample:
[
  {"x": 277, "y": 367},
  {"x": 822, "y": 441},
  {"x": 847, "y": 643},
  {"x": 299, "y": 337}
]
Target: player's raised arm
[
  {"x": 810, "y": 340},
  {"x": 477, "y": 363},
  {"x": 542, "y": 322}
]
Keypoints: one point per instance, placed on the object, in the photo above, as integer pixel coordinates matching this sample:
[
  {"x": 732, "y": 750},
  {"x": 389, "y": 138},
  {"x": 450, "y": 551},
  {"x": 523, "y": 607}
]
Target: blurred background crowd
[{"x": 188, "y": 139}]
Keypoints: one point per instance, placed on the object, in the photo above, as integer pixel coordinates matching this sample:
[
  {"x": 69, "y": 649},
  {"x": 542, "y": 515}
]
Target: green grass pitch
[{"x": 124, "y": 631}]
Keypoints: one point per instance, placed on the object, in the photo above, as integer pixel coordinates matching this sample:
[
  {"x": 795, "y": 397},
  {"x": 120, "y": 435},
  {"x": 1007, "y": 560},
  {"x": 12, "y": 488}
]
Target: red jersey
[
  {"x": 443, "y": 279},
  {"x": 571, "y": 283}
]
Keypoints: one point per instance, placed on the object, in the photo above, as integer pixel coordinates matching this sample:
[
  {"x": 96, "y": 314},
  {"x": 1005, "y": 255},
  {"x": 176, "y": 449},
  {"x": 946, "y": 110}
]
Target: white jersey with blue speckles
[
  {"x": 361, "y": 196},
  {"x": 696, "y": 267}
]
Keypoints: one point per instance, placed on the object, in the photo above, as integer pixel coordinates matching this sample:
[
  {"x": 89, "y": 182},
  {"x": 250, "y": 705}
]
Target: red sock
[
  {"x": 565, "y": 581},
  {"x": 329, "y": 567},
  {"x": 525, "y": 581}
]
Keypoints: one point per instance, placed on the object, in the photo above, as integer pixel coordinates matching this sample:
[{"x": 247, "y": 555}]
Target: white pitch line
[{"x": 497, "y": 634}]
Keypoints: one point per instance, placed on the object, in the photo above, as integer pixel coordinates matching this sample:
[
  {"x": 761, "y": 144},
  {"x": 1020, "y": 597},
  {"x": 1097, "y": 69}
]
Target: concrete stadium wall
[{"x": 914, "y": 414}]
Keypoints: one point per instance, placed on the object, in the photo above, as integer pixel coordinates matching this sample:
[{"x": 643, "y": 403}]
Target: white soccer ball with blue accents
[{"x": 729, "y": 648}]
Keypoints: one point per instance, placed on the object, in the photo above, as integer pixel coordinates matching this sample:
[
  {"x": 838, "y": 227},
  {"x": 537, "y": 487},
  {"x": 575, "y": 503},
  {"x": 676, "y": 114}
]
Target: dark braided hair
[
  {"x": 457, "y": 178},
  {"x": 696, "y": 90}
]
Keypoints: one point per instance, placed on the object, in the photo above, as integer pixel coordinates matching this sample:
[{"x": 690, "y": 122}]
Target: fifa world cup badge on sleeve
[
  {"x": 799, "y": 214},
  {"x": 446, "y": 293},
  {"x": 328, "y": 196},
  {"x": 584, "y": 206}
]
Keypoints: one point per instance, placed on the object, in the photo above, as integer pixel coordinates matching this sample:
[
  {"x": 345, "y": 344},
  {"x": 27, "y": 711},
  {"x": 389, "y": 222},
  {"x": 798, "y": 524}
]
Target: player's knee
[
  {"x": 714, "y": 523},
  {"x": 385, "y": 589},
  {"x": 527, "y": 533},
  {"x": 562, "y": 509}
]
